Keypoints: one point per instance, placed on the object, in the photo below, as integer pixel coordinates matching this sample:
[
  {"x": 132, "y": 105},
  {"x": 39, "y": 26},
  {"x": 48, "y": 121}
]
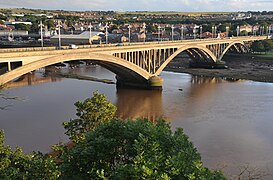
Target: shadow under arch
[
  {"x": 121, "y": 68},
  {"x": 204, "y": 50},
  {"x": 229, "y": 46}
]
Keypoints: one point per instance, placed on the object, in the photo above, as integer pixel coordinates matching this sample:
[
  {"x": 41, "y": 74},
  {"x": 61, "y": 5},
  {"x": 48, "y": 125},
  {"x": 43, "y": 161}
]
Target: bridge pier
[{"x": 154, "y": 83}]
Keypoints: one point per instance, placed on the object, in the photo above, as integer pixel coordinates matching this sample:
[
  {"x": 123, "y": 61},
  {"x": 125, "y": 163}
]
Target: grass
[
  {"x": 266, "y": 55},
  {"x": 19, "y": 10},
  {"x": 171, "y": 13}
]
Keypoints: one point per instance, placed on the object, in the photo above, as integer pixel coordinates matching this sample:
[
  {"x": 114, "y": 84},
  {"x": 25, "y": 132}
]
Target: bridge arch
[
  {"x": 120, "y": 67},
  {"x": 229, "y": 46},
  {"x": 203, "y": 51}
]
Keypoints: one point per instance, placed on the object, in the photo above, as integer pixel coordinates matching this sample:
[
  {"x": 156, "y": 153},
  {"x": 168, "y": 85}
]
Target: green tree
[
  {"x": 90, "y": 113},
  {"x": 114, "y": 26},
  {"x": 69, "y": 23},
  {"x": 243, "y": 33},
  {"x": 24, "y": 27},
  {"x": 17, "y": 165},
  {"x": 50, "y": 23},
  {"x": 268, "y": 45},
  {"x": 258, "y": 46},
  {"x": 35, "y": 27},
  {"x": 136, "y": 149},
  {"x": 151, "y": 28}
]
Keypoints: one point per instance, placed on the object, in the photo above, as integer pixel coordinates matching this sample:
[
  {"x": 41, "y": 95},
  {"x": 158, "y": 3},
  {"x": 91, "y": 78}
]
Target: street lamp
[
  {"x": 201, "y": 31},
  {"x": 172, "y": 31},
  {"x": 212, "y": 31},
  {"x": 59, "y": 33},
  {"x": 215, "y": 27},
  {"x": 227, "y": 31},
  {"x": 41, "y": 31},
  {"x": 158, "y": 32},
  {"x": 182, "y": 32},
  {"x": 194, "y": 32},
  {"x": 106, "y": 33},
  {"x": 144, "y": 27},
  {"x": 90, "y": 33},
  {"x": 129, "y": 27},
  {"x": 238, "y": 30}
]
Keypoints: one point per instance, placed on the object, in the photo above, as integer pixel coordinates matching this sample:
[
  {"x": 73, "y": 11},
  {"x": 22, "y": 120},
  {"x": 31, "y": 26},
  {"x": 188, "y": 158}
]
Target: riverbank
[{"x": 248, "y": 67}]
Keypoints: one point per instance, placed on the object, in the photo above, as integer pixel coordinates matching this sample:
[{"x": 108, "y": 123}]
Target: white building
[
  {"x": 14, "y": 33},
  {"x": 17, "y": 22},
  {"x": 83, "y": 38}
]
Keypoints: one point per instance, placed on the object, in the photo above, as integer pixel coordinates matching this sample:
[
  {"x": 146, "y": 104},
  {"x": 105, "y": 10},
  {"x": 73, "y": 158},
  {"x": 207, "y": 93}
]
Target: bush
[
  {"x": 17, "y": 165},
  {"x": 91, "y": 113},
  {"x": 135, "y": 150}
]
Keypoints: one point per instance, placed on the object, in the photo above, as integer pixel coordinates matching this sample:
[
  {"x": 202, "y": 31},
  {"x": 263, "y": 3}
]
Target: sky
[{"x": 144, "y": 5}]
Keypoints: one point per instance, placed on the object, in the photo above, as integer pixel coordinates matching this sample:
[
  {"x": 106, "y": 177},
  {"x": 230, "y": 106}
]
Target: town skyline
[{"x": 143, "y": 5}]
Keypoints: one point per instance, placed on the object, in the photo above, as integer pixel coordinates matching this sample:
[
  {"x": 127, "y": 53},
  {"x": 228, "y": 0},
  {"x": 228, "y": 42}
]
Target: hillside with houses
[{"x": 28, "y": 27}]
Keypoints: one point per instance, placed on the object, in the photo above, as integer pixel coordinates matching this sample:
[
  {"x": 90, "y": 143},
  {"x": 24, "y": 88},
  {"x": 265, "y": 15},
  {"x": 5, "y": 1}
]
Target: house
[
  {"x": 141, "y": 36},
  {"x": 207, "y": 34},
  {"x": 247, "y": 28},
  {"x": 123, "y": 39},
  {"x": 78, "y": 28}
]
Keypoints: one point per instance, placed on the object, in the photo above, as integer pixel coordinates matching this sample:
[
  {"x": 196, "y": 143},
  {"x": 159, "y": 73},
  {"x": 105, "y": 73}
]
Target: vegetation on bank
[
  {"x": 262, "y": 46},
  {"x": 105, "y": 147}
]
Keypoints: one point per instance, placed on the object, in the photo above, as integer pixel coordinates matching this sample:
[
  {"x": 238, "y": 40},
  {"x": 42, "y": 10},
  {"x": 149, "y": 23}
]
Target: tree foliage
[
  {"x": 136, "y": 149},
  {"x": 17, "y": 165},
  {"x": 268, "y": 45},
  {"x": 243, "y": 33},
  {"x": 49, "y": 23},
  {"x": 262, "y": 46},
  {"x": 90, "y": 113}
]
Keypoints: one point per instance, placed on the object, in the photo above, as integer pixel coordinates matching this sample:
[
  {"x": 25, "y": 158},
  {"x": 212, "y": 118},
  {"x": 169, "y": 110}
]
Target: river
[{"x": 230, "y": 122}]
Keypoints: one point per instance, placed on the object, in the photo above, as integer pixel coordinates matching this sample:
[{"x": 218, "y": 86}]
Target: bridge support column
[
  {"x": 9, "y": 66},
  {"x": 154, "y": 83}
]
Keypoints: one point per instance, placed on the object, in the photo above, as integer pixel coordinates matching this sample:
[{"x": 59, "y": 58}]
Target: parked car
[
  {"x": 73, "y": 46},
  {"x": 119, "y": 44}
]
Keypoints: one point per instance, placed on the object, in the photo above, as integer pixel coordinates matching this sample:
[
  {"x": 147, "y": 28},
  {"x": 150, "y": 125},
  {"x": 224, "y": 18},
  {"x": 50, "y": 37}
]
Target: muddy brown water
[{"x": 230, "y": 122}]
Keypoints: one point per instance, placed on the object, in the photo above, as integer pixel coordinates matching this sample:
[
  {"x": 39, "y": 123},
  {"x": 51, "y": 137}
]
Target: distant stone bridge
[{"x": 138, "y": 64}]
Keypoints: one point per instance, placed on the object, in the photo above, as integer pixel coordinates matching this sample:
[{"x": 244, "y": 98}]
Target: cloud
[{"x": 151, "y": 5}]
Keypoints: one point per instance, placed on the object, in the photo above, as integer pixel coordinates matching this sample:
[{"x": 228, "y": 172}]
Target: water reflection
[
  {"x": 31, "y": 79},
  {"x": 139, "y": 103}
]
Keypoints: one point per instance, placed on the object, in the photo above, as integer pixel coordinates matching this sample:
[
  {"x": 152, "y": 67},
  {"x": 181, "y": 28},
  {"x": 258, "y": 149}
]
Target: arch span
[
  {"x": 118, "y": 66},
  {"x": 204, "y": 50},
  {"x": 228, "y": 47}
]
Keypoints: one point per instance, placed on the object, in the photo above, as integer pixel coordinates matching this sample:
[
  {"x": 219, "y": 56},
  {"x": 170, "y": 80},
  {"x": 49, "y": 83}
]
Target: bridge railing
[{"x": 27, "y": 49}]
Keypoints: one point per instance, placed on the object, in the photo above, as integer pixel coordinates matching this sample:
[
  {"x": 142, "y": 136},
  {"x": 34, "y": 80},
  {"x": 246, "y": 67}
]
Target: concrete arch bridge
[{"x": 135, "y": 64}]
